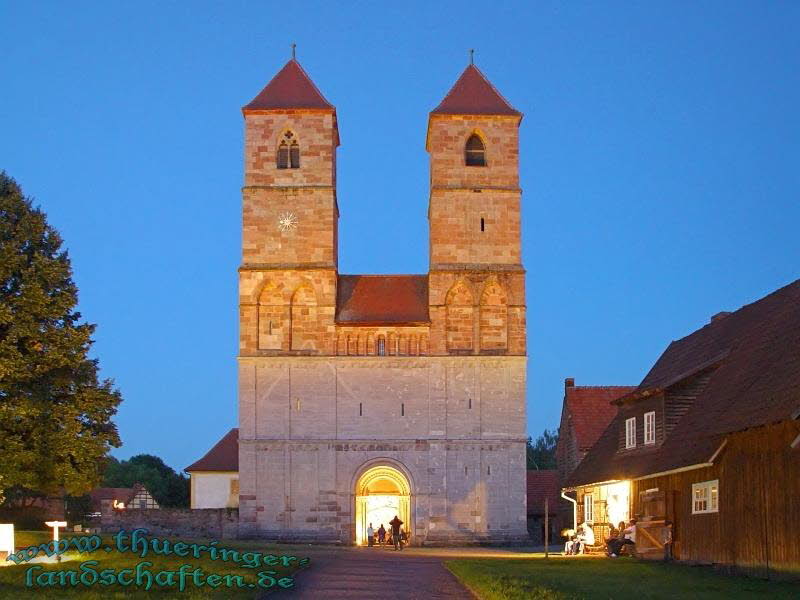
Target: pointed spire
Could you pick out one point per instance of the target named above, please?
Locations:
(473, 94)
(290, 88)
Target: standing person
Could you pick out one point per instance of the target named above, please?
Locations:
(370, 535)
(396, 523)
(381, 534)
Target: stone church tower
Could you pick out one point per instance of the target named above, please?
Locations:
(362, 397)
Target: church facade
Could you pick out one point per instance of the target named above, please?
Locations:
(362, 397)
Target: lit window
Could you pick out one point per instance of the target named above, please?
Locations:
(630, 432)
(650, 428)
(705, 497)
(588, 508)
(475, 154)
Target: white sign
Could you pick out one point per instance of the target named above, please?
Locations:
(7, 538)
(55, 525)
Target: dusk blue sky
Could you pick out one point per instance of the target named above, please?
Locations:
(660, 167)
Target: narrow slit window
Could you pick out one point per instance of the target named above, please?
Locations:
(402, 409)
(465, 470)
(360, 409)
(469, 404)
(489, 470)
(475, 153)
(483, 225)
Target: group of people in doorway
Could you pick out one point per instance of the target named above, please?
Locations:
(619, 537)
(394, 535)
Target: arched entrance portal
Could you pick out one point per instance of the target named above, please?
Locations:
(381, 493)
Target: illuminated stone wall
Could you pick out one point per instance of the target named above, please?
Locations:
(446, 404)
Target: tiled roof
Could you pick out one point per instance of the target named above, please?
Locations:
(543, 484)
(290, 88)
(591, 410)
(382, 299)
(473, 94)
(224, 456)
(755, 352)
(123, 495)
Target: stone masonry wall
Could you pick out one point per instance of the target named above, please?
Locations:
(214, 523)
(308, 425)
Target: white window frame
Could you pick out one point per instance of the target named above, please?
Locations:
(650, 427)
(588, 508)
(705, 497)
(630, 433)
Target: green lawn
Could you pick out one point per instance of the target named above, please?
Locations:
(13, 578)
(621, 579)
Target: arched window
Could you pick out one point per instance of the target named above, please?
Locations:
(475, 153)
(288, 152)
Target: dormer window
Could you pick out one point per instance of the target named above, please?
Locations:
(288, 152)
(475, 153)
(630, 433)
(650, 428)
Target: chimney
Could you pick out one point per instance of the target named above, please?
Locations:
(719, 315)
(569, 382)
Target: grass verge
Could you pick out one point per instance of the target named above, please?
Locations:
(622, 579)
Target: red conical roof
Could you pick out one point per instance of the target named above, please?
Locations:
(472, 94)
(290, 88)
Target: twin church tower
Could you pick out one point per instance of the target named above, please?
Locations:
(362, 397)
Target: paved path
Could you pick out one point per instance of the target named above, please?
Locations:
(382, 574)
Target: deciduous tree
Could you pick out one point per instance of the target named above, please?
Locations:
(542, 452)
(164, 484)
(55, 413)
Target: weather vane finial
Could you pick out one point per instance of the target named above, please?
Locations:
(472, 56)
(293, 48)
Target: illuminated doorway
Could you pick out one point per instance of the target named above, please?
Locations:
(381, 493)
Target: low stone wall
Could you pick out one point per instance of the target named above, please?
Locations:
(215, 523)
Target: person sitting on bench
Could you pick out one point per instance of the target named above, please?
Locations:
(584, 538)
(613, 535)
(628, 538)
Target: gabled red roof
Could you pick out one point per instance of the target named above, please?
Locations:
(473, 94)
(382, 299)
(591, 410)
(224, 456)
(541, 485)
(755, 354)
(290, 88)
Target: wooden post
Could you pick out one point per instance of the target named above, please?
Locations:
(546, 528)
